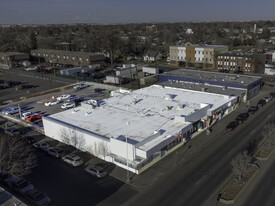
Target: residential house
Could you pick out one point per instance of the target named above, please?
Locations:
(152, 56)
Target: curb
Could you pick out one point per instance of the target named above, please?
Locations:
(232, 201)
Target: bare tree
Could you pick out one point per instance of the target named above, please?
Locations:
(78, 140)
(99, 149)
(73, 138)
(241, 164)
(16, 158)
(269, 132)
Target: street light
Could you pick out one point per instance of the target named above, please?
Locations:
(128, 178)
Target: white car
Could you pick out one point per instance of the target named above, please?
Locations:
(41, 145)
(96, 170)
(30, 68)
(25, 114)
(68, 105)
(80, 86)
(267, 98)
(10, 110)
(62, 97)
(73, 160)
(52, 102)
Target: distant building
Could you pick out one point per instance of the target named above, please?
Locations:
(189, 31)
(12, 59)
(243, 86)
(151, 29)
(68, 57)
(198, 55)
(152, 56)
(240, 62)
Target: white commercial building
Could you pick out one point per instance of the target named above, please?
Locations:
(153, 120)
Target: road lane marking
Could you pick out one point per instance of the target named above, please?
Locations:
(200, 180)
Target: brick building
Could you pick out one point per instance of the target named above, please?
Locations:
(12, 59)
(240, 62)
(68, 57)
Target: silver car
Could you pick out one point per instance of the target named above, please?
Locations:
(41, 145)
(10, 110)
(73, 160)
(96, 170)
(56, 152)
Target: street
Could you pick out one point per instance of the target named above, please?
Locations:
(196, 179)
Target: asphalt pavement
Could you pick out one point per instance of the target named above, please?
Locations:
(194, 175)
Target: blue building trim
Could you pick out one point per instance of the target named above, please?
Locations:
(163, 78)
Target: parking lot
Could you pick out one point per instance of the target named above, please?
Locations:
(67, 185)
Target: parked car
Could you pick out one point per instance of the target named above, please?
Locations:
(232, 125)
(25, 114)
(27, 86)
(261, 102)
(68, 105)
(37, 197)
(78, 99)
(10, 110)
(28, 139)
(98, 90)
(30, 68)
(272, 94)
(12, 131)
(73, 98)
(8, 181)
(20, 185)
(96, 170)
(253, 109)
(41, 145)
(80, 86)
(242, 117)
(62, 97)
(73, 160)
(33, 117)
(268, 98)
(51, 102)
(56, 152)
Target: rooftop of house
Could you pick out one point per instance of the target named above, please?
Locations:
(148, 110)
(51, 51)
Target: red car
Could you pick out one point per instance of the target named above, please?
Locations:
(232, 125)
(33, 117)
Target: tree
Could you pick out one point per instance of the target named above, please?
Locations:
(16, 158)
(241, 163)
(33, 42)
(73, 138)
(99, 149)
(269, 132)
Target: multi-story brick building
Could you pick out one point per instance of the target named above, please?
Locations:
(240, 62)
(68, 57)
(190, 55)
(12, 59)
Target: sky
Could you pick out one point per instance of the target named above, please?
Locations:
(130, 11)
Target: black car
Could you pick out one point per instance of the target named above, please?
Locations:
(4, 87)
(12, 131)
(98, 90)
(232, 125)
(261, 102)
(28, 139)
(253, 109)
(242, 117)
(272, 94)
(27, 86)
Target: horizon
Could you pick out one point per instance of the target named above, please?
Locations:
(128, 12)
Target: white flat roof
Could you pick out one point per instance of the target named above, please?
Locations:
(154, 109)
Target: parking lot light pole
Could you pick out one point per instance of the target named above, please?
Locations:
(128, 178)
